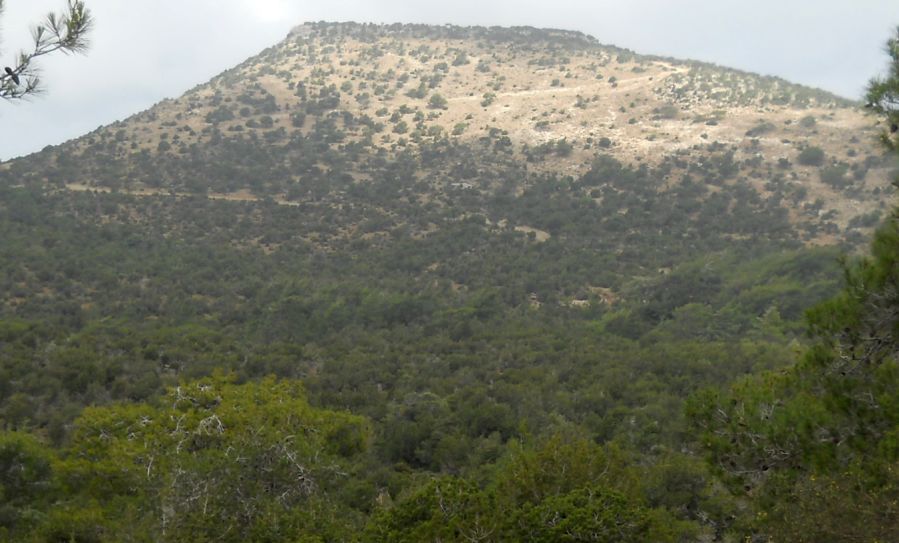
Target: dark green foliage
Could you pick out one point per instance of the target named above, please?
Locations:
(444, 510)
(437, 102)
(814, 447)
(590, 514)
(821, 436)
(883, 94)
(760, 129)
(26, 485)
(835, 176)
(867, 220)
(811, 156)
(668, 111)
(376, 329)
(487, 324)
(419, 92)
(328, 99)
(221, 114)
(461, 59)
(554, 492)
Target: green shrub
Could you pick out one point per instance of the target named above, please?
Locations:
(759, 129)
(437, 101)
(811, 156)
(835, 176)
(808, 121)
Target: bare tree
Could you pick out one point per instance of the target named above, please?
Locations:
(64, 32)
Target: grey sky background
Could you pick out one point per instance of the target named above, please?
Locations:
(144, 51)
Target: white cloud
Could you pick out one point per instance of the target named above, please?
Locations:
(268, 10)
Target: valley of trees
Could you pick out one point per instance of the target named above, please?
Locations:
(616, 354)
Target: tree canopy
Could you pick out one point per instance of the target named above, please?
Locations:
(883, 95)
(816, 447)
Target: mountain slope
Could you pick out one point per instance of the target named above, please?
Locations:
(513, 252)
(340, 99)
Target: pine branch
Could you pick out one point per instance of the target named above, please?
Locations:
(66, 32)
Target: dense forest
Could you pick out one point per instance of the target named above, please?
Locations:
(368, 329)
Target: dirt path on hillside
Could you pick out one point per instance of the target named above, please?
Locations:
(622, 83)
(239, 196)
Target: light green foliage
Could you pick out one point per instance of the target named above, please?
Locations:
(558, 491)
(589, 514)
(560, 466)
(446, 509)
(214, 460)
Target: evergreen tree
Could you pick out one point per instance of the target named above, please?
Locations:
(66, 32)
(816, 447)
(883, 95)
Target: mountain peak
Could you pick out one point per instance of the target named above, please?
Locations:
(495, 34)
(340, 99)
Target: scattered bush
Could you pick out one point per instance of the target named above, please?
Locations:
(808, 121)
(811, 156)
(437, 101)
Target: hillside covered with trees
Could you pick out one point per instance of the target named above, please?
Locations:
(409, 283)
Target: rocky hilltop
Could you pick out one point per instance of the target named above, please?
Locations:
(315, 117)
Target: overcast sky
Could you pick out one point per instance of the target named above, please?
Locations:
(144, 51)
